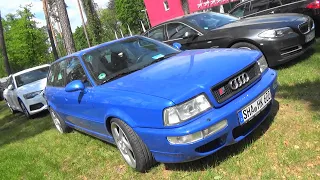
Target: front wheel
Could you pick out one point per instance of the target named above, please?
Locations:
(24, 109)
(131, 147)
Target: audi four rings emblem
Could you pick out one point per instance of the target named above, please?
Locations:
(239, 81)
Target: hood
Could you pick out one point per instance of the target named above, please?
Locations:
(32, 87)
(187, 74)
(267, 19)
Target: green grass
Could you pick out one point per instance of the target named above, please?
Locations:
(286, 145)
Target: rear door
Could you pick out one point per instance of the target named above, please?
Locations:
(296, 6)
(55, 90)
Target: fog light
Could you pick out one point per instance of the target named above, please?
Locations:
(190, 138)
(215, 128)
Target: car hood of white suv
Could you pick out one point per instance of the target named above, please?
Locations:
(33, 87)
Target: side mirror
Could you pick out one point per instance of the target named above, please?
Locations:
(189, 35)
(10, 87)
(75, 85)
(177, 45)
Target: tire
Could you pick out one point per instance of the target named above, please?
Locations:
(12, 111)
(245, 45)
(59, 123)
(24, 109)
(131, 146)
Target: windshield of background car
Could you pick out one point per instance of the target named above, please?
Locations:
(209, 21)
(123, 57)
(31, 76)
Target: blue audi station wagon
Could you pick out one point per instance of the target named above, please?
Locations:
(160, 104)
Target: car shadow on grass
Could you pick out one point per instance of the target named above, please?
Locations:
(227, 152)
(298, 60)
(308, 91)
(16, 127)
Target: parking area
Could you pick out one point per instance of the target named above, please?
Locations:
(286, 145)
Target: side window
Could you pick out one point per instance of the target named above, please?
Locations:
(258, 6)
(51, 75)
(178, 30)
(59, 74)
(74, 71)
(157, 34)
(274, 3)
(242, 10)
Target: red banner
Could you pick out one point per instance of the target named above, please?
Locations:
(197, 5)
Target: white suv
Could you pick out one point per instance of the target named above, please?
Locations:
(25, 90)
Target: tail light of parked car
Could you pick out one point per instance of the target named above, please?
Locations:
(314, 5)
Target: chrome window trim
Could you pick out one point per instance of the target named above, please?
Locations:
(166, 29)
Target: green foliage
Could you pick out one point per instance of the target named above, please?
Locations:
(129, 12)
(27, 45)
(94, 24)
(109, 21)
(80, 38)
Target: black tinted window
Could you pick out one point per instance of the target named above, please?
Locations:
(177, 30)
(75, 71)
(209, 21)
(257, 6)
(242, 10)
(274, 3)
(31, 76)
(157, 34)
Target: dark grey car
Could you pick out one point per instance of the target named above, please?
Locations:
(280, 37)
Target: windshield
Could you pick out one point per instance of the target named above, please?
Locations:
(31, 76)
(209, 21)
(124, 57)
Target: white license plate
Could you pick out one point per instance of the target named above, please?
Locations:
(253, 109)
(310, 36)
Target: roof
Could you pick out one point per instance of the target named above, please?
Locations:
(30, 69)
(84, 51)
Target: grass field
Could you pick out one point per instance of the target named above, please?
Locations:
(285, 146)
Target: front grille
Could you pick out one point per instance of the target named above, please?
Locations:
(253, 71)
(249, 126)
(36, 106)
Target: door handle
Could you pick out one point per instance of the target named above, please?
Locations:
(272, 12)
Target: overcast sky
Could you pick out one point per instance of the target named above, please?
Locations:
(11, 6)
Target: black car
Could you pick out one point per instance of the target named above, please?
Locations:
(252, 8)
(280, 37)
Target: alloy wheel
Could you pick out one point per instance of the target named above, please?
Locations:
(123, 144)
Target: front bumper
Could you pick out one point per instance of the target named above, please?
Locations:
(36, 104)
(283, 49)
(163, 151)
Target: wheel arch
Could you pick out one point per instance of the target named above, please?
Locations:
(119, 114)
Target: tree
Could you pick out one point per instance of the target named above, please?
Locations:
(27, 45)
(4, 49)
(65, 26)
(46, 14)
(185, 6)
(111, 4)
(80, 38)
(93, 21)
(109, 24)
(129, 13)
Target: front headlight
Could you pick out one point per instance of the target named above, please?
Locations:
(179, 113)
(31, 95)
(272, 33)
(263, 65)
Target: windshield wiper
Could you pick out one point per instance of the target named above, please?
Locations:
(118, 76)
